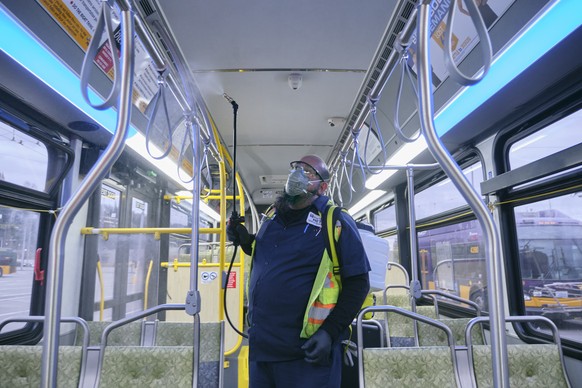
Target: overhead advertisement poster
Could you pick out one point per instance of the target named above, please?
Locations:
(464, 37)
(78, 18)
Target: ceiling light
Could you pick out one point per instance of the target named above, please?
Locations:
(368, 199)
(403, 156)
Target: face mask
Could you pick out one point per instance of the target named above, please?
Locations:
(297, 182)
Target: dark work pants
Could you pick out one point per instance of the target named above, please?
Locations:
(297, 373)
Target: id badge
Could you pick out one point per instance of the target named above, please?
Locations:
(314, 219)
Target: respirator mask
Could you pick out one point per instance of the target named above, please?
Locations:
(298, 181)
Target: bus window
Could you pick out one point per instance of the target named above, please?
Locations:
(451, 256)
(444, 196)
(385, 226)
(452, 259)
(549, 235)
(27, 158)
(385, 219)
(18, 244)
(547, 141)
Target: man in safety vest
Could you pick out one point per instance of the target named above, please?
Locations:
(299, 309)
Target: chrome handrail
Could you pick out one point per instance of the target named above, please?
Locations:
(451, 168)
(55, 265)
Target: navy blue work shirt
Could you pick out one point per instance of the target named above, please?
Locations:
(285, 263)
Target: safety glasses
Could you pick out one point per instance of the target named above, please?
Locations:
(309, 169)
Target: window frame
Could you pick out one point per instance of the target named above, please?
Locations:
(24, 119)
(536, 188)
(448, 217)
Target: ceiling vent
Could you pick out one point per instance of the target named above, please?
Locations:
(266, 196)
(273, 180)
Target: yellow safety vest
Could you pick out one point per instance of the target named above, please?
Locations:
(327, 285)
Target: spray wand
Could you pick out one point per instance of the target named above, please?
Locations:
(234, 217)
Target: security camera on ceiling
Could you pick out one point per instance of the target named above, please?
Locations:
(295, 81)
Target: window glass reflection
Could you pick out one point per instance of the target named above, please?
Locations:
(452, 259)
(23, 159)
(549, 234)
(444, 196)
(547, 141)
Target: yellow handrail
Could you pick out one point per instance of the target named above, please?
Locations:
(147, 285)
(222, 251)
(157, 232)
(218, 196)
(184, 264)
(102, 291)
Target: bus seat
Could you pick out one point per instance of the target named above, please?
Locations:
(402, 326)
(409, 367)
(431, 336)
(399, 329)
(422, 367)
(139, 366)
(398, 300)
(21, 366)
(211, 346)
(127, 335)
(397, 293)
(532, 366)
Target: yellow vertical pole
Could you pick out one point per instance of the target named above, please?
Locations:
(147, 285)
(222, 251)
(101, 291)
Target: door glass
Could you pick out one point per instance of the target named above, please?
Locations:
(18, 245)
(141, 253)
(109, 215)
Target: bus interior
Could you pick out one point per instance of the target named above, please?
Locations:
(132, 130)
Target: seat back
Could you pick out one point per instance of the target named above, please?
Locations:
(400, 329)
(432, 336)
(211, 346)
(408, 367)
(532, 366)
(127, 335)
(21, 366)
(139, 366)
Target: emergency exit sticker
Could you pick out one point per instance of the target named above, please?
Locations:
(231, 280)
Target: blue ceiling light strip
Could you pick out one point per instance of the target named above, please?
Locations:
(563, 18)
(19, 44)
